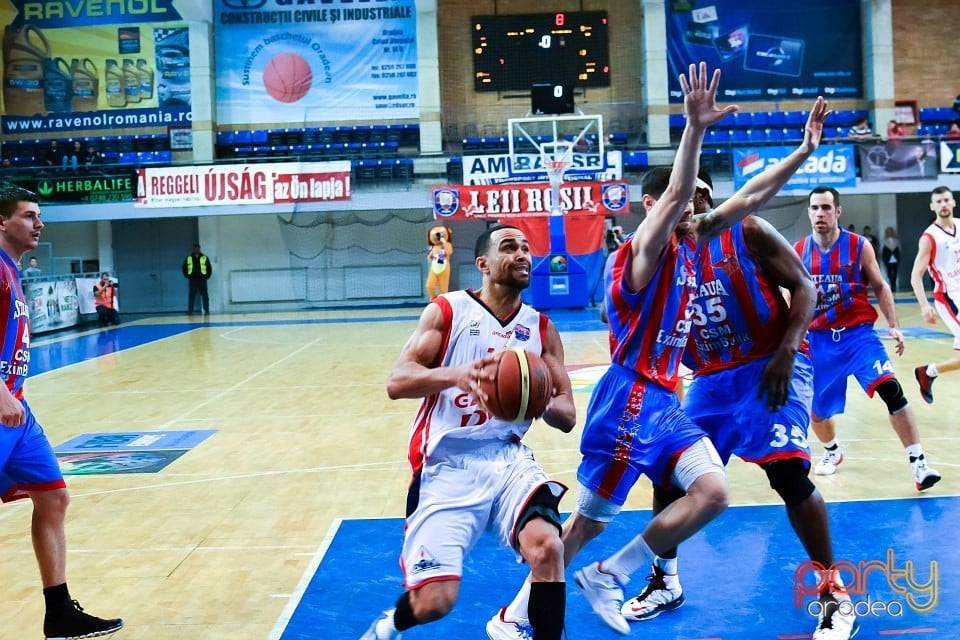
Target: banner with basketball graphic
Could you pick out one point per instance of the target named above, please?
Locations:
(93, 66)
(279, 62)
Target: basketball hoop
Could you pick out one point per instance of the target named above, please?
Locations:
(555, 169)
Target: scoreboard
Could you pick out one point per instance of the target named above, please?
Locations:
(513, 52)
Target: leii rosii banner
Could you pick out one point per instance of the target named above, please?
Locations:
(495, 202)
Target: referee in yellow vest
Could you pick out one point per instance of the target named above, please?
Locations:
(197, 269)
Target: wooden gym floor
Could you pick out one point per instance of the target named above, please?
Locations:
(218, 543)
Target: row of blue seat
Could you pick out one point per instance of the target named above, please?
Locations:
(103, 144)
(774, 119)
(373, 170)
(109, 157)
(332, 151)
(402, 134)
(937, 115)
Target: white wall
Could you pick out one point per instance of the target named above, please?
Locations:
(71, 239)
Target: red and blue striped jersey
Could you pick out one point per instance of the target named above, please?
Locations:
(15, 352)
(649, 328)
(738, 314)
(842, 297)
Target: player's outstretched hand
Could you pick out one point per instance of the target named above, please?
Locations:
(813, 132)
(700, 97)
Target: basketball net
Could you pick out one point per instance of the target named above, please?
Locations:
(556, 167)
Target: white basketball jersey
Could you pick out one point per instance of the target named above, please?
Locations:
(472, 331)
(944, 265)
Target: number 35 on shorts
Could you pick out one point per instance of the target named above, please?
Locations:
(798, 436)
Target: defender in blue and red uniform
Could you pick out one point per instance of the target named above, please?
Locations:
(842, 339)
(752, 395)
(634, 422)
(28, 466)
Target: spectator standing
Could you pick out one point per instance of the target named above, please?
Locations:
(953, 133)
(197, 269)
(890, 254)
(105, 298)
(33, 269)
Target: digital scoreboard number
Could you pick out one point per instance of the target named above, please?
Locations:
(513, 52)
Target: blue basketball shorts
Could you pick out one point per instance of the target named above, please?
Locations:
(27, 461)
(633, 427)
(727, 405)
(839, 354)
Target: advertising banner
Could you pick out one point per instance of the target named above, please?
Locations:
(831, 166)
(483, 202)
(283, 62)
(93, 66)
(768, 51)
(279, 183)
(495, 168)
(898, 160)
(106, 186)
(53, 304)
(950, 157)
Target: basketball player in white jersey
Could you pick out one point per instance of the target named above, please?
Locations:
(939, 255)
(471, 472)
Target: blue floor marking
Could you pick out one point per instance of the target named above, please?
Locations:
(737, 575)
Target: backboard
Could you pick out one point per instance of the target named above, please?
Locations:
(574, 139)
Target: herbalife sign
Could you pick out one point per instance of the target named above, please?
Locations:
(101, 187)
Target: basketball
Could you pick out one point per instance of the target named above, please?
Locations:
(521, 386)
(287, 77)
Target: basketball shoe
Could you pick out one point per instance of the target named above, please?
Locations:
(375, 632)
(924, 476)
(604, 593)
(499, 628)
(925, 382)
(70, 622)
(829, 462)
(663, 593)
(837, 621)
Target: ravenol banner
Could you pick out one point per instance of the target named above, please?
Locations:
(830, 166)
(280, 62)
(71, 65)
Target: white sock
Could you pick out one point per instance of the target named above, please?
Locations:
(519, 609)
(830, 445)
(385, 628)
(932, 370)
(631, 557)
(915, 451)
(667, 565)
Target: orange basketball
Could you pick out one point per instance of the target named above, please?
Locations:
(521, 386)
(287, 77)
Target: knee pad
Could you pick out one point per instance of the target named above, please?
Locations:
(544, 504)
(789, 478)
(892, 394)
